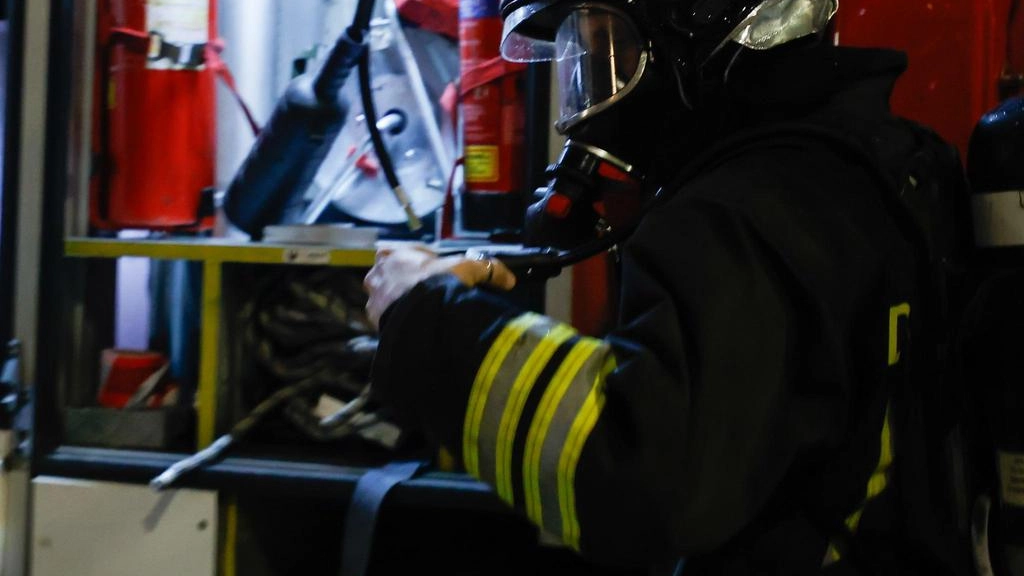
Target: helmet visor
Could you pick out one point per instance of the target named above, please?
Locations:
(527, 32)
(599, 57)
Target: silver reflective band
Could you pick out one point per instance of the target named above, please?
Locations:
(776, 22)
(998, 219)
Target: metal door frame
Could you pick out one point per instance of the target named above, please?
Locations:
(32, 235)
(9, 197)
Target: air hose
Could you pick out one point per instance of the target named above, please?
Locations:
(345, 421)
(370, 111)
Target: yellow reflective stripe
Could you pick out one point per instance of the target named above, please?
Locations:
(582, 426)
(513, 412)
(831, 555)
(482, 387)
(853, 520)
(542, 419)
(880, 478)
(877, 483)
(885, 453)
(445, 461)
(895, 313)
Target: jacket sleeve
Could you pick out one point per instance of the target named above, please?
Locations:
(662, 439)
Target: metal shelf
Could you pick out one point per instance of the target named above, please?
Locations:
(303, 479)
(214, 253)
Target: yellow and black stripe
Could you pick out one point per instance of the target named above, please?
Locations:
(877, 484)
(879, 479)
(536, 398)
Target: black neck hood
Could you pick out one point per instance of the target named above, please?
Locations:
(792, 83)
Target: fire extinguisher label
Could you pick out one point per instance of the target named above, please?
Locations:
(1011, 478)
(184, 26)
(481, 163)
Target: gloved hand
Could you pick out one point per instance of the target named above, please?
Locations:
(397, 270)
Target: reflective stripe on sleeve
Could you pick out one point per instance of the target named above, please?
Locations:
(566, 413)
(517, 397)
(582, 426)
(562, 422)
(481, 389)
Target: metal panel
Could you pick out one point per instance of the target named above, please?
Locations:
(956, 52)
(106, 529)
(23, 181)
(30, 190)
(262, 37)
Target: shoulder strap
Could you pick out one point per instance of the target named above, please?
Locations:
(363, 511)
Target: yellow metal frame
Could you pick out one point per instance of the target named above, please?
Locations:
(209, 349)
(229, 537)
(220, 251)
(214, 253)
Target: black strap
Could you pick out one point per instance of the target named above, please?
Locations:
(363, 510)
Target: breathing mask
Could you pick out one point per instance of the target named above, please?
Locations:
(604, 69)
(620, 108)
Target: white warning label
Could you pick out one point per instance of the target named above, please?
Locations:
(306, 256)
(180, 29)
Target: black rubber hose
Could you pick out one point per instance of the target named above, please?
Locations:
(361, 20)
(383, 156)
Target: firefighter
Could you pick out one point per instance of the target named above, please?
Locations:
(730, 419)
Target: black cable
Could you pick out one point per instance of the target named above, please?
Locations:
(361, 20)
(360, 26)
(383, 156)
(370, 110)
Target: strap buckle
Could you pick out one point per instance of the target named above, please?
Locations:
(181, 55)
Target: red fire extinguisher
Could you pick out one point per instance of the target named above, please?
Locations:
(154, 113)
(493, 114)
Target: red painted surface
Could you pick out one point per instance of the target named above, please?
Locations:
(956, 52)
(441, 16)
(123, 372)
(594, 307)
(162, 130)
(1015, 46)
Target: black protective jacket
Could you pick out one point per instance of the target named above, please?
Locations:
(732, 418)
